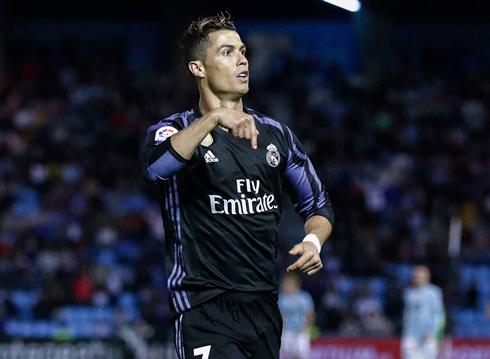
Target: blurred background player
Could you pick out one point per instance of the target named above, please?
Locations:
(423, 317)
(298, 313)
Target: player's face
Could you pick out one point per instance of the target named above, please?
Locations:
(421, 276)
(290, 285)
(226, 65)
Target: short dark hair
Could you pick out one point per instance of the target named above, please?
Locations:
(195, 41)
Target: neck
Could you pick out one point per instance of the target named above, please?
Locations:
(209, 101)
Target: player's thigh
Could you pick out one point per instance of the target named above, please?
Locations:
(221, 350)
(267, 347)
(197, 337)
(268, 342)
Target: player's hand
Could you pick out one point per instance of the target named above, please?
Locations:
(240, 124)
(309, 261)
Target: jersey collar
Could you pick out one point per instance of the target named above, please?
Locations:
(198, 114)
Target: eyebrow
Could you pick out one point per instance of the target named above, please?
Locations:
(231, 47)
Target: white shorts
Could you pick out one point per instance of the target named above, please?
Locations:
(295, 345)
(415, 348)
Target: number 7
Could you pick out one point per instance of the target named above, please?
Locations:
(204, 351)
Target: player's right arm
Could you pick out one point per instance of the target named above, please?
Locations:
(160, 160)
(239, 123)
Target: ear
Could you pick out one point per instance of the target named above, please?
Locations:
(197, 68)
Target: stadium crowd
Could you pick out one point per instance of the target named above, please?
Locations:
(399, 158)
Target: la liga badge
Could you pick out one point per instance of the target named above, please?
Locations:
(165, 132)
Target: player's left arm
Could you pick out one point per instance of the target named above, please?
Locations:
(310, 261)
(311, 201)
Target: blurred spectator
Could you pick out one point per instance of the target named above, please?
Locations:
(83, 288)
(375, 324)
(472, 297)
(350, 326)
(7, 308)
(365, 304)
(53, 296)
(333, 307)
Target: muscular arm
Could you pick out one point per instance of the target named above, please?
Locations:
(185, 142)
(310, 261)
(319, 226)
(240, 125)
(311, 201)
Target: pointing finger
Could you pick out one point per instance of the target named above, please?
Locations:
(255, 133)
(299, 263)
(254, 139)
(296, 250)
(309, 267)
(292, 267)
(312, 262)
(314, 270)
(241, 131)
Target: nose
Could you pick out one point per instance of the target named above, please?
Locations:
(242, 60)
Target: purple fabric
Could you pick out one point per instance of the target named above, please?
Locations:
(266, 120)
(177, 209)
(164, 168)
(297, 178)
(177, 254)
(313, 173)
(180, 300)
(185, 116)
(165, 122)
(176, 264)
(295, 149)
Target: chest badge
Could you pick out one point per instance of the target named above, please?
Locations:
(208, 140)
(273, 157)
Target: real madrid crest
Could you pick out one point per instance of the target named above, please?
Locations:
(273, 157)
(208, 140)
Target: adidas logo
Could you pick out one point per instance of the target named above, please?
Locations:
(210, 157)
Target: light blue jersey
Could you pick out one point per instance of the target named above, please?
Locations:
(424, 311)
(294, 309)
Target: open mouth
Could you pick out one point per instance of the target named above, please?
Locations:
(243, 75)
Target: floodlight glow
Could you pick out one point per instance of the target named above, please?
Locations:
(350, 5)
